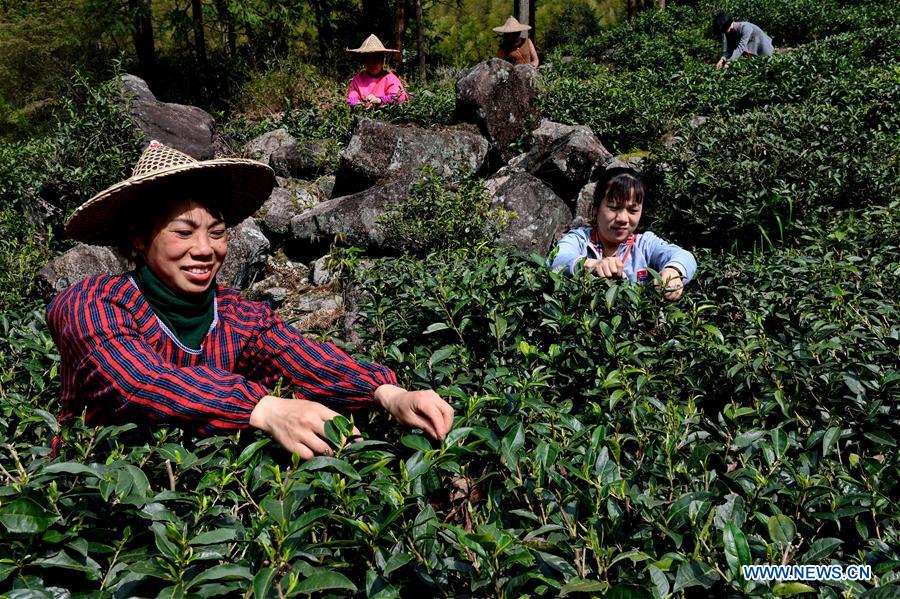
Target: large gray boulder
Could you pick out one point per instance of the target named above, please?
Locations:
(380, 150)
(77, 264)
(355, 217)
(248, 249)
(540, 215)
(185, 128)
(321, 273)
(564, 156)
(499, 97)
(583, 203)
(301, 160)
(263, 146)
(632, 161)
(283, 204)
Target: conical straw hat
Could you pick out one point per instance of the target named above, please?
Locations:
(240, 187)
(372, 45)
(512, 26)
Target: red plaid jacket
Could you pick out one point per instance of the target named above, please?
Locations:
(120, 363)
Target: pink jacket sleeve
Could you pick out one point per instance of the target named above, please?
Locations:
(353, 97)
(393, 90)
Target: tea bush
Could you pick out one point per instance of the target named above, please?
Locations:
(606, 441)
(682, 34)
(636, 43)
(439, 216)
(791, 23)
(745, 178)
(24, 249)
(605, 99)
(92, 147)
(42, 180)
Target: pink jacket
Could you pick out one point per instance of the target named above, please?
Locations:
(387, 87)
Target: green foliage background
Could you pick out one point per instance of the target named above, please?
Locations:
(607, 442)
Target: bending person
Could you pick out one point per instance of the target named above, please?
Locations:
(165, 344)
(740, 38)
(612, 249)
(374, 86)
(513, 47)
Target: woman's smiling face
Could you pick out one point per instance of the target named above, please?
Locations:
(617, 220)
(186, 249)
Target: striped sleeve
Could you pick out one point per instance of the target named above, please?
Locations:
(115, 374)
(319, 371)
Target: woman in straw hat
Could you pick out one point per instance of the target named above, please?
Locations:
(515, 48)
(374, 86)
(166, 344)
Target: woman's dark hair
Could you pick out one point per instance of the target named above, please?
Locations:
(618, 185)
(721, 22)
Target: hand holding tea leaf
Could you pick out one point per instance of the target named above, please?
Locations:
(297, 424)
(421, 409)
(672, 284)
(610, 267)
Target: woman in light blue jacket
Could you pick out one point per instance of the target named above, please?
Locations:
(612, 249)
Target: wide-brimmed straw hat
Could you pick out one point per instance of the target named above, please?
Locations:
(372, 45)
(240, 187)
(512, 26)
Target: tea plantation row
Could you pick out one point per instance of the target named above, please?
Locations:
(606, 440)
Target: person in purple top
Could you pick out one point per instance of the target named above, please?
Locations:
(611, 248)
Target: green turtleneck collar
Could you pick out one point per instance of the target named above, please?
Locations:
(188, 318)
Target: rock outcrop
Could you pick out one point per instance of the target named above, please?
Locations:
(263, 146)
(274, 217)
(583, 205)
(356, 217)
(301, 159)
(379, 150)
(77, 264)
(499, 97)
(541, 216)
(185, 128)
(563, 156)
(246, 258)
